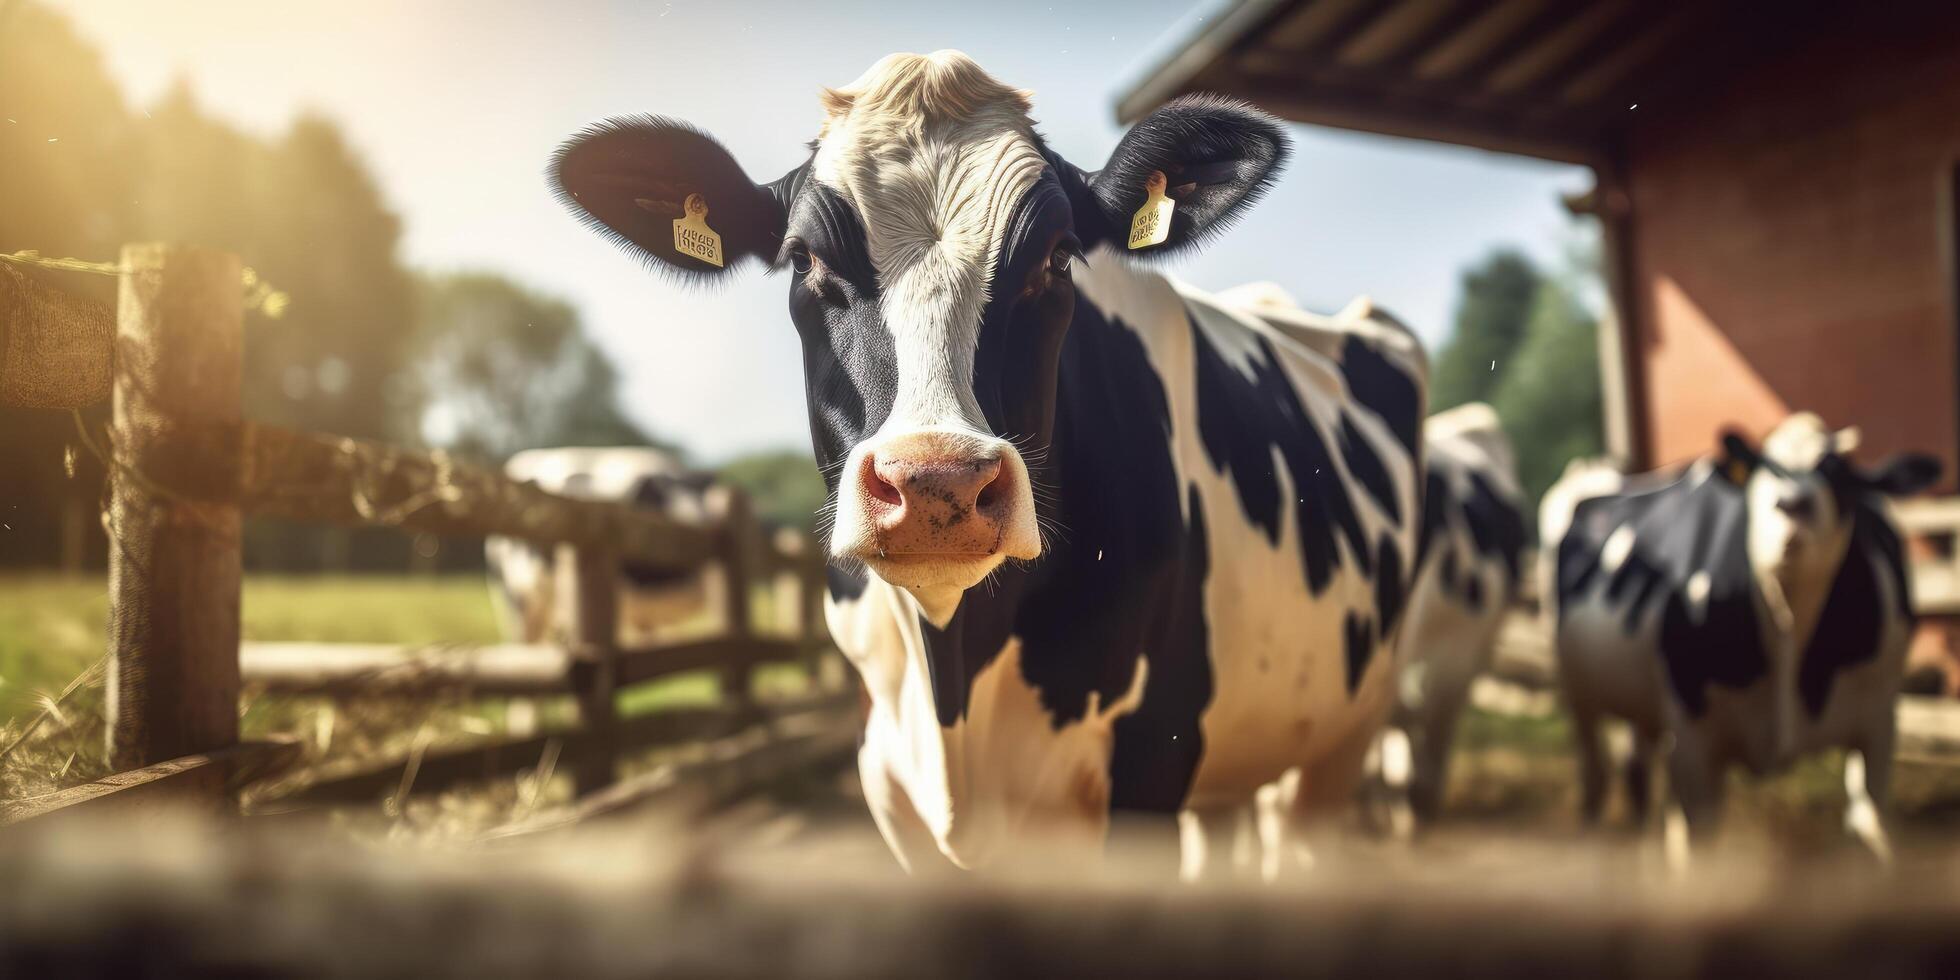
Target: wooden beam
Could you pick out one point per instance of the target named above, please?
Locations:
(1394, 43)
(330, 479)
(1351, 109)
(197, 781)
(1560, 44)
(56, 350)
(724, 653)
(174, 554)
(1317, 26)
(1456, 55)
(395, 670)
(440, 769)
(1210, 42)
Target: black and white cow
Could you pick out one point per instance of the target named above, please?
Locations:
(1473, 553)
(529, 584)
(1100, 543)
(1751, 608)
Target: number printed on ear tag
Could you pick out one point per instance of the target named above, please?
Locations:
(692, 236)
(1152, 225)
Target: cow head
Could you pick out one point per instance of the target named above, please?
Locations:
(1803, 493)
(928, 242)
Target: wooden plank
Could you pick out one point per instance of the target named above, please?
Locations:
(197, 781)
(331, 479)
(56, 350)
(730, 770)
(174, 557)
(726, 653)
(450, 766)
(374, 669)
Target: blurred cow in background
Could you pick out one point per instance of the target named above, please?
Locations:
(1473, 537)
(531, 586)
(1752, 608)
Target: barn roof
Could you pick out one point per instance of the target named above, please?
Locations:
(1546, 78)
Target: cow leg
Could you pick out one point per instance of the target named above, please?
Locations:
(1868, 788)
(1432, 761)
(1695, 784)
(1210, 839)
(1640, 775)
(1326, 788)
(1590, 747)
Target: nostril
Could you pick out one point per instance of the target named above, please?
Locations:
(882, 489)
(992, 494)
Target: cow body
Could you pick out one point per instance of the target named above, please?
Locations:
(1473, 549)
(1202, 622)
(1752, 608)
(1100, 543)
(529, 584)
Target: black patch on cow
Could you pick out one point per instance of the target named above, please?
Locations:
(1851, 625)
(1386, 389)
(845, 583)
(1497, 524)
(1390, 587)
(1456, 496)
(1689, 525)
(1115, 492)
(1365, 465)
(1359, 644)
(1156, 748)
(1240, 421)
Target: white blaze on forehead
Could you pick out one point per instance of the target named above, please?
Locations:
(1800, 443)
(933, 153)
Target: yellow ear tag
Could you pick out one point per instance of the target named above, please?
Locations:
(693, 237)
(1153, 221)
(1738, 472)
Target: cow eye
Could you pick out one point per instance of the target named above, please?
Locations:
(799, 258)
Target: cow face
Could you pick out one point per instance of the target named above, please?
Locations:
(1803, 492)
(928, 243)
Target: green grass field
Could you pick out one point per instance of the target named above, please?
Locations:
(53, 630)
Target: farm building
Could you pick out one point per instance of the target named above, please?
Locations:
(1776, 185)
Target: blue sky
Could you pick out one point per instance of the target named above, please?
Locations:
(457, 105)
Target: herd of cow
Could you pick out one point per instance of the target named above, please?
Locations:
(1103, 545)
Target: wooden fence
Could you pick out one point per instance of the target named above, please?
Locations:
(185, 469)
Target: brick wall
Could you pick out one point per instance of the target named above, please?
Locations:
(1789, 244)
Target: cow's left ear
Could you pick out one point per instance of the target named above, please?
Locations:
(1738, 458)
(1905, 474)
(1217, 156)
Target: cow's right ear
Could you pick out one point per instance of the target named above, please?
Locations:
(630, 179)
(1738, 458)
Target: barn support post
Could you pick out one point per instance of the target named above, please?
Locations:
(595, 636)
(174, 560)
(740, 547)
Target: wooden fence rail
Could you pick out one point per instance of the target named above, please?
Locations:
(186, 467)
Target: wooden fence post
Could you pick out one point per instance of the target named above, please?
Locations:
(740, 547)
(174, 560)
(595, 637)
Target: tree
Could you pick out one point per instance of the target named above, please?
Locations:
(1550, 400)
(500, 369)
(1499, 295)
(784, 484)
